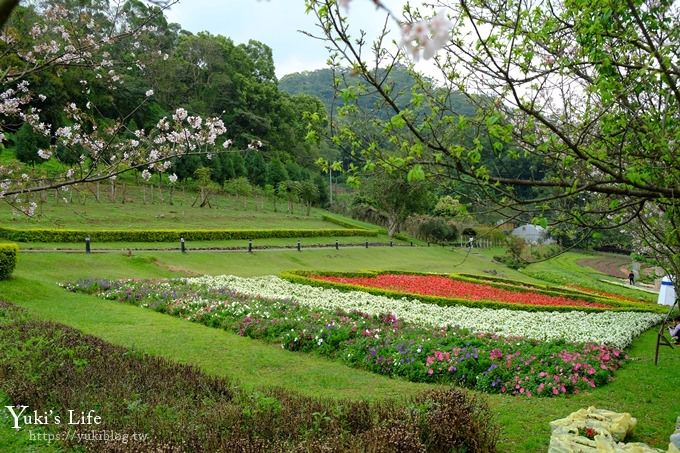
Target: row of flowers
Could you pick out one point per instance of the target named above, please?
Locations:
(615, 329)
(443, 286)
(470, 290)
(380, 342)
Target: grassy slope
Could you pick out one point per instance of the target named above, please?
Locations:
(565, 269)
(226, 212)
(646, 391)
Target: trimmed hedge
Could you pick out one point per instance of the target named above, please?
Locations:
(58, 235)
(304, 277)
(8, 259)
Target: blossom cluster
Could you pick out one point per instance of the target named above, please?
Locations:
(422, 38)
(62, 37)
(617, 329)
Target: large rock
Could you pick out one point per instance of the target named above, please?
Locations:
(595, 430)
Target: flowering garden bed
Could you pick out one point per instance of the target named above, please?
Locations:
(470, 291)
(529, 353)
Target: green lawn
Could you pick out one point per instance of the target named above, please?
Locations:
(646, 391)
(565, 270)
(84, 211)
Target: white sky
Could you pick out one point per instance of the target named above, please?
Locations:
(275, 23)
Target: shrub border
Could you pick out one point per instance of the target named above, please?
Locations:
(169, 235)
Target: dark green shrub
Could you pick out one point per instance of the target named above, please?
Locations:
(435, 229)
(469, 232)
(8, 259)
(28, 142)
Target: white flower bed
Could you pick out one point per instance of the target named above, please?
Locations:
(616, 329)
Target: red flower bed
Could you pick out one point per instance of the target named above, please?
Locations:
(437, 285)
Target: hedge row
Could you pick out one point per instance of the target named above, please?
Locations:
(304, 277)
(8, 259)
(58, 235)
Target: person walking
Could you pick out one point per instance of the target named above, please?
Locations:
(631, 278)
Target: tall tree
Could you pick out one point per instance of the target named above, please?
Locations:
(590, 90)
(394, 196)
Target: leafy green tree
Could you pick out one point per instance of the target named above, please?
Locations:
(27, 142)
(206, 187)
(308, 193)
(290, 191)
(322, 186)
(239, 165)
(276, 173)
(589, 90)
(239, 187)
(256, 168)
(394, 197)
(272, 193)
(447, 206)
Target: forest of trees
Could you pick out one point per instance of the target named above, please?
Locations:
(208, 75)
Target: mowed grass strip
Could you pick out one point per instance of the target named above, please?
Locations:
(646, 391)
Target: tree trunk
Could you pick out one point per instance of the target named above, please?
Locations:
(392, 225)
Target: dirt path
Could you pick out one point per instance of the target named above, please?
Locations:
(614, 265)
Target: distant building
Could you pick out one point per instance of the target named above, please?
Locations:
(532, 234)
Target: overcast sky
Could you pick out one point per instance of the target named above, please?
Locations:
(275, 23)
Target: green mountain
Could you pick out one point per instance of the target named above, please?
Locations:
(319, 83)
